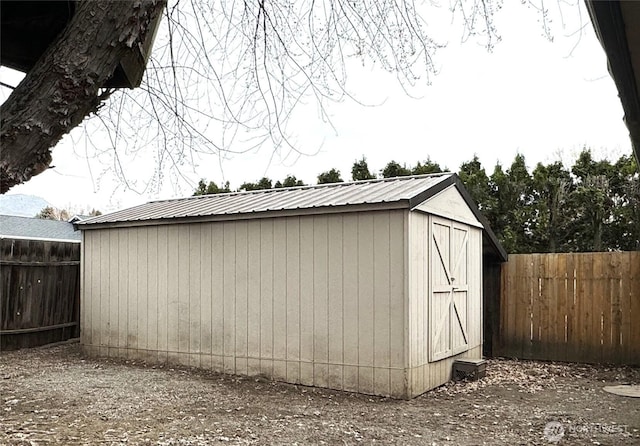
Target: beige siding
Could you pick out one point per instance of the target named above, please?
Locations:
(422, 374)
(450, 204)
(318, 300)
(335, 302)
(162, 297)
(475, 286)
(350, 315)
(293, 299)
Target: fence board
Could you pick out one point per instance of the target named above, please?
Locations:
(558, 337)
(571, 307)
(634, 300)
(40, 290)
(538, 318)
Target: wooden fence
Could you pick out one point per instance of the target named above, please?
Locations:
(40, 295)
(571, 307)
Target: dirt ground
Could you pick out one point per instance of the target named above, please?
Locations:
(53, 395)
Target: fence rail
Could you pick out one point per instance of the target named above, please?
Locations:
(571, 307)
(40, 298)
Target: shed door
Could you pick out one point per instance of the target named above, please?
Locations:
(449, 288)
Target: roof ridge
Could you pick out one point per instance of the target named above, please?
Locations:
(307, 186)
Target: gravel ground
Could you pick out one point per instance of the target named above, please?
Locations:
(54, 395)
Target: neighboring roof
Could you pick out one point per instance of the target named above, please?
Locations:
(391, 193)
(617, 25)
(37, 229)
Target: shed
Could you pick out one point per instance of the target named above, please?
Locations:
(371, 286)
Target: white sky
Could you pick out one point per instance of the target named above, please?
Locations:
(530, 96)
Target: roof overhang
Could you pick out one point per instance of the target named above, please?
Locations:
(27, 28)
(617, 25)
(492, 248)
(39, 239)
(324, 210)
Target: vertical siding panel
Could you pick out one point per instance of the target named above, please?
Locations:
(132, 294)
(184, 321)
(253, 298)
(104, 292)
(229, 297)
(422, 275)
(123, 289)
(83, 289)
(381, 254)
(350, 301)
(114, 291)
(293, 299)
(266, 297)
(195, 243)
(141, 281)
(410, 301)
(474, 314)
(413, 268)
(280, 298)
(398, 302)
(241, 296)
(90, 259)
(163, 292)
(152, 296)
(473, 293)
(365, 301)
(86, 304)
(217, 296)
(205, 295)
(420, 239)
(320, 301)
(306, 301)
(335, 304)
(476, 255)
(173, 321)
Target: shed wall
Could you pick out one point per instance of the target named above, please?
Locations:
(422, 374)
(317, 300)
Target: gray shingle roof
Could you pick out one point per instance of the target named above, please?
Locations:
(394, 190)
(36, 228)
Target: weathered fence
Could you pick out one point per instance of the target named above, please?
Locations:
(40, 296)
(571, 307)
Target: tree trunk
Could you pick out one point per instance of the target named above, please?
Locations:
(64, 86)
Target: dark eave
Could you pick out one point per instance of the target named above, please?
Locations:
(27, 28)
(617, 25)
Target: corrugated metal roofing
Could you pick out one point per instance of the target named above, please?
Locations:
(333, 195)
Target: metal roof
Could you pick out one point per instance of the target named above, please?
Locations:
(398, 193)
(335, 195)
(37, 229)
